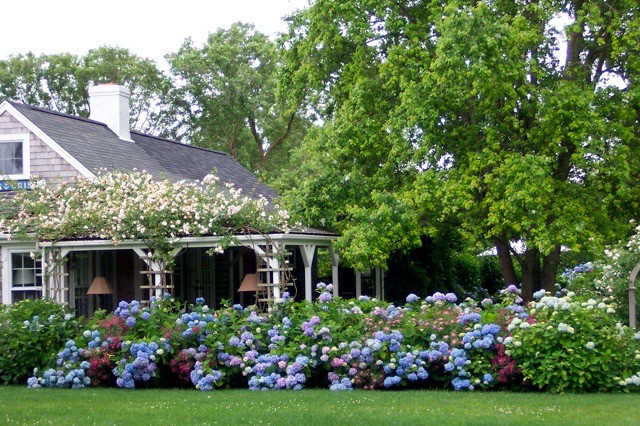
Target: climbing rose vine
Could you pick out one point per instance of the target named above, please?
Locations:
(119, 206)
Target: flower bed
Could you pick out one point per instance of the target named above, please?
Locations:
(557, 343)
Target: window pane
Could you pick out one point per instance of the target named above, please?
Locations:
(27, 261)
(17, 150)
(8, 167)
(16, 260)
(28, 294)
(11, 158)
(24, 278)
(17, 164)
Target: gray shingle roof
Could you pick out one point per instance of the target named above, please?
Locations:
(95, 146)
(191, 162)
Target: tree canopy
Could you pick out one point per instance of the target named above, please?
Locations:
(228, 93)
(61, 81)
(512, 120)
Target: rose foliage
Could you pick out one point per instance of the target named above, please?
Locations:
(120, 206)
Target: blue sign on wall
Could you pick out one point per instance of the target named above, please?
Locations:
(14, 185)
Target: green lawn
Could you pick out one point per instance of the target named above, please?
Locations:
(19, 405)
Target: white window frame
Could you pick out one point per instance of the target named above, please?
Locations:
(7, 273)
(26, 155)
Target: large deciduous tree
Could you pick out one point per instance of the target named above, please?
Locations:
(515, 120)
(61, 81)
(228, 89)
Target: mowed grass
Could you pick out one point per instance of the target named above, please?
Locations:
(19, 405)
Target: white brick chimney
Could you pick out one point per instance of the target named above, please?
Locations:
(109, 104)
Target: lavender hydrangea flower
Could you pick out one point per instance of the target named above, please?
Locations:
(438, 297)
(412, 298)
(513, 289)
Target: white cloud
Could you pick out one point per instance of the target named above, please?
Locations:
(148, 28)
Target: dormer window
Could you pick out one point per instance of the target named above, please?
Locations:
(14, 156)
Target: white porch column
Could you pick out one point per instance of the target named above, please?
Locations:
(65, 285)
(241, 275)
(308, 251)
(358, 284)
(335, 259)
(275, 264)
(44, 272)
(378, 283)
(157, 279)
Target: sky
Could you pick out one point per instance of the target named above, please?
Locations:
(148, 28)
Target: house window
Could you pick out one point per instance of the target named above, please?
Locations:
(11, 158)
(14, 156)
(26, 280)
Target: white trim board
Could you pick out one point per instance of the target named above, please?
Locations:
(191, 242)
(7, 107)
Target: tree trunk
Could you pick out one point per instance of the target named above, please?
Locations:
(530, 274)
(550, 268)
(506, 263)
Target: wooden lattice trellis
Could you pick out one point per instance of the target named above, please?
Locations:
(54, 278)
(275, 275)
(159, 279)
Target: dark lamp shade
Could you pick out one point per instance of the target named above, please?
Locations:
(250, 283)
(100, 285)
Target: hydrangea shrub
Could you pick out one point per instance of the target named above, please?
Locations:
(568, 345)
(31, 331)
(558, 343)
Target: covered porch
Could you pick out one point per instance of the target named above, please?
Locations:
(68, 268)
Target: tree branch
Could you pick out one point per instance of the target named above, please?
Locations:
(507, 244)
(282, 136)
(256, 137)
(264, 155)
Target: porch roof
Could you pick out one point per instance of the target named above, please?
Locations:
(292, 238)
